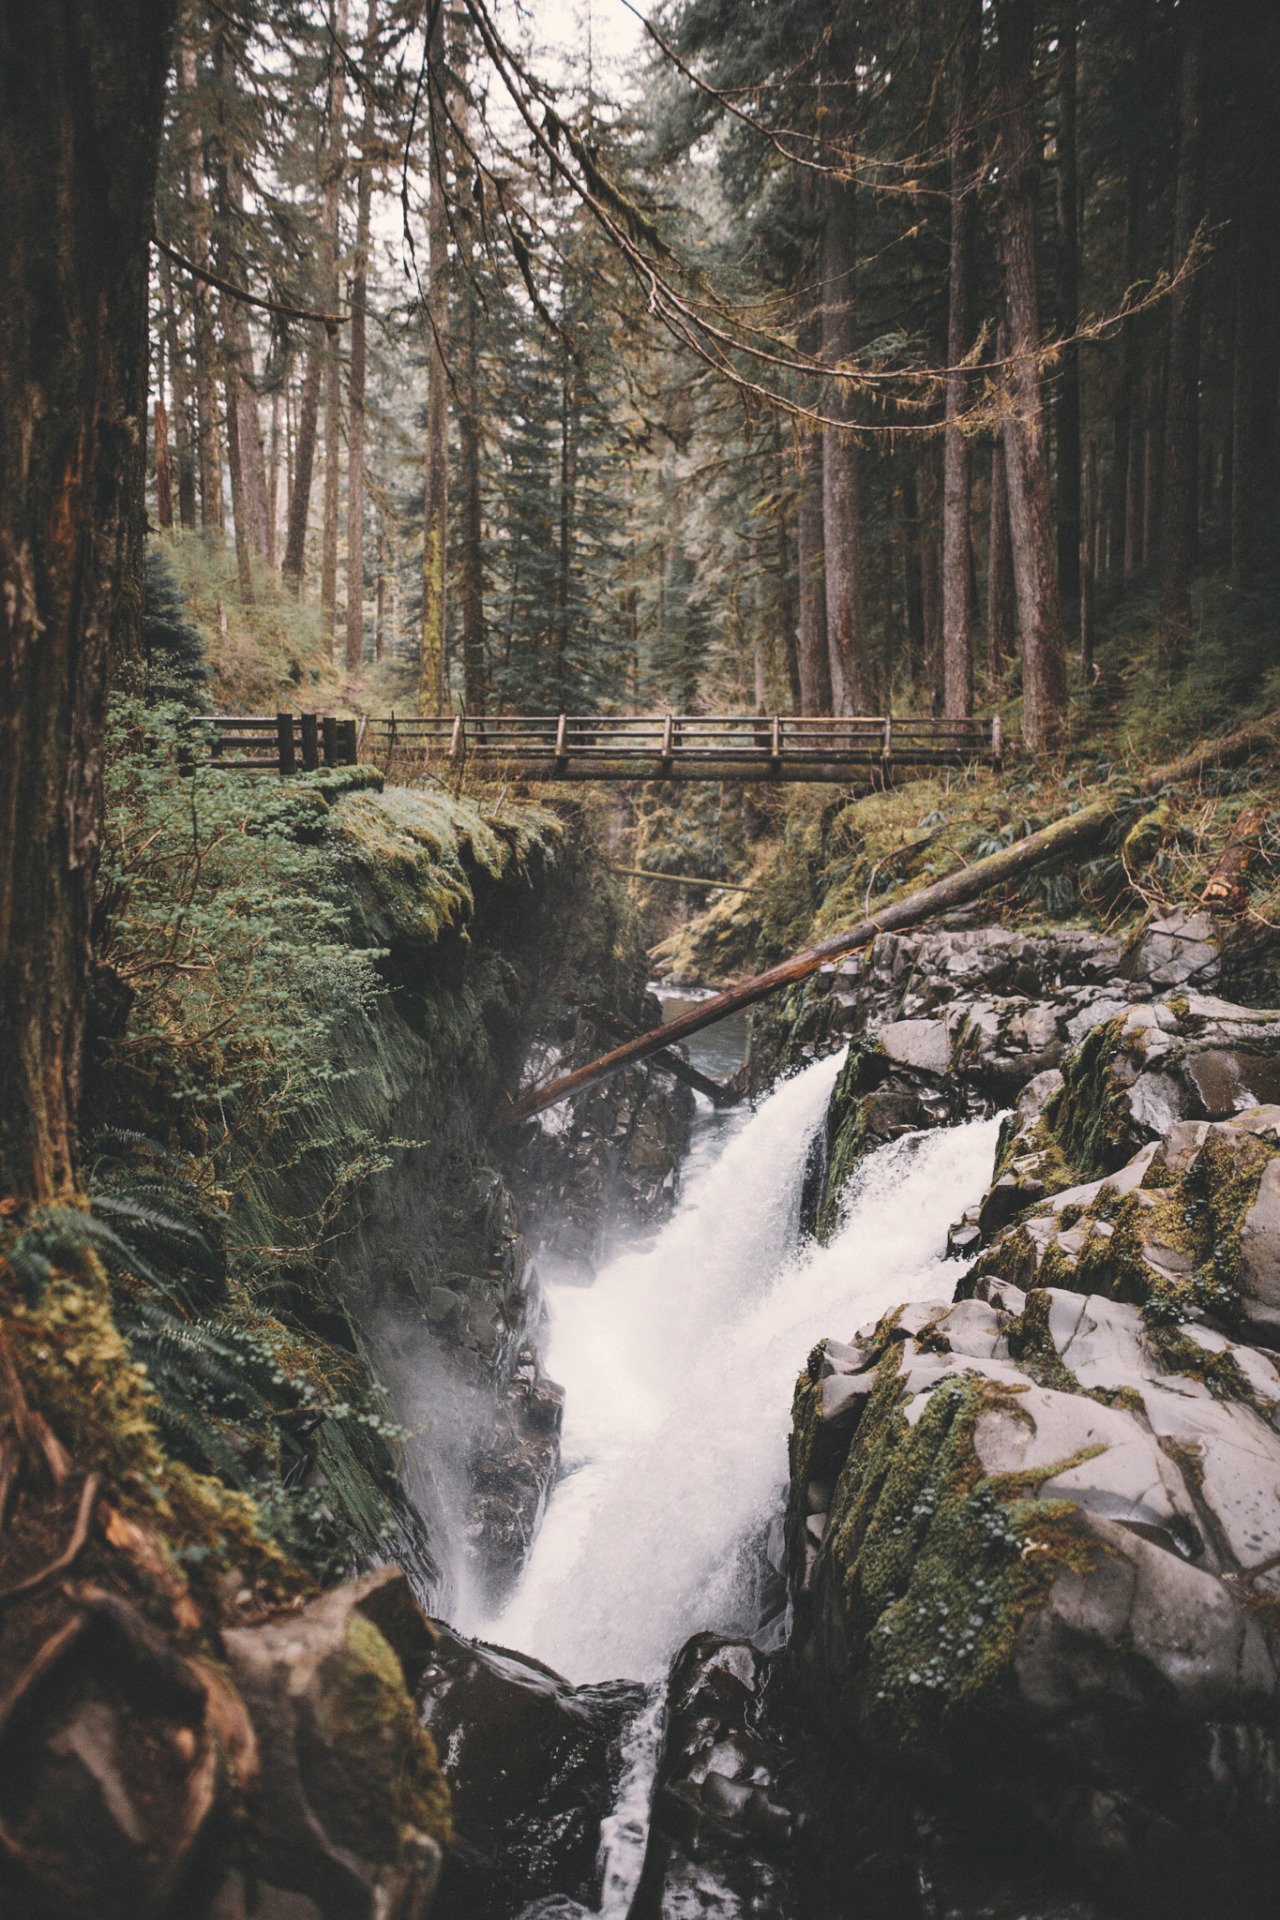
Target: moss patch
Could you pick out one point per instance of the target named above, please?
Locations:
(938, 1563)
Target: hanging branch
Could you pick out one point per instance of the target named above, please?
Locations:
(330, 320)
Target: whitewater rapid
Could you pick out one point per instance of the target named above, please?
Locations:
(678, 1366)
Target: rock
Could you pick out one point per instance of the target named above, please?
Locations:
(120, 1761)
(1260, 1258)
(922, 1044)
(349, 1808)
(720, 1832)
(1044, 1578)
(533, 1766)
(1178, 951)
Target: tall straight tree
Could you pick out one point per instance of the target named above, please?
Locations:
(1068, 409)
(1000, 591)
(841, 515)
(957, 602)
(335, 167)
(356, 374)
(1044, 681)
(81, 96)
(1180, 501)
(435, 507)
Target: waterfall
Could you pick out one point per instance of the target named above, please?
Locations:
(678, 1365)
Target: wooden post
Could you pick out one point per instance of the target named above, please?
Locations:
(329, 735)
(775, 747)
(666, 743)
(310, 742)
(458, 740)
(561, 755)
(886, 752)
(997, 744)
(284, 743)
(348, 746)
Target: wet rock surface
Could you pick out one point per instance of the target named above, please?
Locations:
(533, 1766)
(1033, 1537)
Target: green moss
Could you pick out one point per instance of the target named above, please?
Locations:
(1088, 1117)
(938, 1563)
(374, 1771)
(863, 1070)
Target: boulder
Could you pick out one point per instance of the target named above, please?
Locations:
(720, 1834)
(1042, 1575)
(348, 1810)
(533, 1766)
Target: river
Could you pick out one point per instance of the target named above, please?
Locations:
(678, 1365)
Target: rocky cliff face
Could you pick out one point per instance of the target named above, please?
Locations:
(1034, 1529)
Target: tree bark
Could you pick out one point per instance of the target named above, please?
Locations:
(957, 625)
(239, 505)
(180, 384)
(435, 511)
(1179, 519)
(1125, 532)
(815, 661)
(841, 520)
(1044, 683)
(81, 98)
(206, 352)
(1070, 527)
(295, 547)
(474, 642)
(335, 166)
(1001, 634)
(1245, 383)
(164, 481)
(356, 372)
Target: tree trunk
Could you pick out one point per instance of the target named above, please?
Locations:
(815, 661)
(164, 482)
(239, 506)
(206, 352)
(180, 383)
(1001, 635)
(356, 372)
(957, 633)
(567, 528)
(1245, 384)
(474, 645)
(841, 525)
(1070, 528)
(1179, 519)
(335, 166)
(81, 98)
(295, 546)
(435, 513)
(1044, 684)
(1125, 534)
(1088, 568)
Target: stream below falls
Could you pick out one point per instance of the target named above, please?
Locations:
(678, 1363)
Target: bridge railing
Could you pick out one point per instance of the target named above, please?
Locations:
(552, 745)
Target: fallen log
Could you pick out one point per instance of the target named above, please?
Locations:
(721, 1095)
(1226, 891)
(1225, 751)
(1067, 836)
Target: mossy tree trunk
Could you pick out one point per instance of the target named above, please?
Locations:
(82, 88)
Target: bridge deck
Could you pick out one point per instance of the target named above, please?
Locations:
(766, 747)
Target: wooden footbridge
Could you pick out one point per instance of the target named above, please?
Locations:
(766, 747)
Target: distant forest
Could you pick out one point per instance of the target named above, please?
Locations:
(854, 357)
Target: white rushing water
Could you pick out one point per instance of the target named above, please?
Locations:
(678, 1365)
